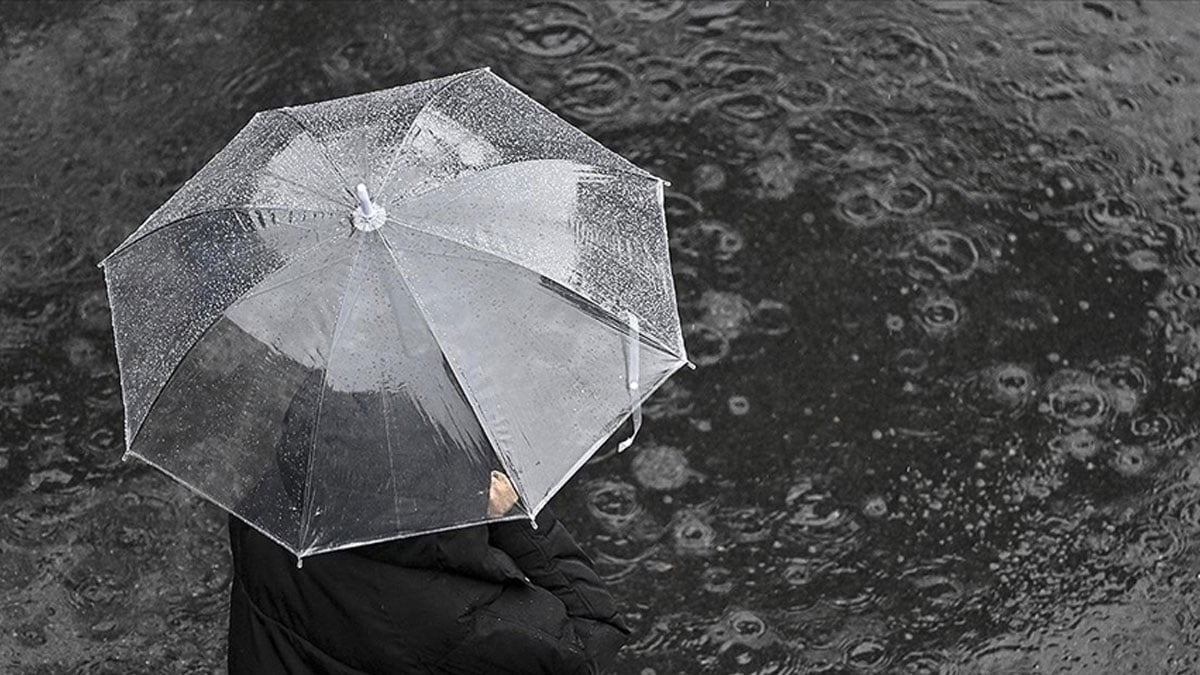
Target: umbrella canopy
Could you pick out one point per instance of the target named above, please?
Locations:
(359, 308)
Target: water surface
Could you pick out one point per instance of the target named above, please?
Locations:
(939, 266)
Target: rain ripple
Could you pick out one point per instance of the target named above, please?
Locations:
(662, 467)
(613, 503)
(1073, 397)
(564, 31)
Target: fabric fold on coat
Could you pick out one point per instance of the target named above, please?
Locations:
(453, 602)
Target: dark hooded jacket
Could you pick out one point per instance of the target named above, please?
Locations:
(495, 599)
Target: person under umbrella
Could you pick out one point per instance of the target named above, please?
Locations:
(498, 598)
(377, 329)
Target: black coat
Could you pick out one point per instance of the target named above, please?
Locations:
(494, 599)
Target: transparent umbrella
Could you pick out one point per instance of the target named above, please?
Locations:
(361, 307)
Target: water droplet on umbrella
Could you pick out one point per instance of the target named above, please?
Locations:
(1152, 426)
(726, 312)
(911, 362)
(866, 653)
(716, 579)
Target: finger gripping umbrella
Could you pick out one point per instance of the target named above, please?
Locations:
(359, 308)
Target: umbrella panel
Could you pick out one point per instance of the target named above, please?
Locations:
(544, 367)
(361, 135)
(593, 230)
(314, 452)
(171, 287)
(401, 450)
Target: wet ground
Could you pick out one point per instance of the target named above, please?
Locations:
(939, 265)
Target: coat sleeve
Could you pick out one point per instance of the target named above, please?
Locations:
(554, 562)
(524, 631)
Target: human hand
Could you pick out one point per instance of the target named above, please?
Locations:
(501, 495)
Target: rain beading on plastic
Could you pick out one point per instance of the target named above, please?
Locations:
(336, 385)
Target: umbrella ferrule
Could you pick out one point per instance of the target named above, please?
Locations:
(364, 199)
(368, 216)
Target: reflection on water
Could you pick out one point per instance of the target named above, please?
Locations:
(938, 262)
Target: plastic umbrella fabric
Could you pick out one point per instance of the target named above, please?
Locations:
(359, 308)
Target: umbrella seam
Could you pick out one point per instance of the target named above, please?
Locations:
(646, 392)
(302, 186)
(319, 143)
(649, 339)
(416, 533)
(306, 510)
(471, 399)
(402, 146)
(199, 338)
(285, 282)
(240, 210)
(383, 400)
(603, 148)
(468, 394)
(607, 171)
(213, 500)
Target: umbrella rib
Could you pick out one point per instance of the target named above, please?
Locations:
(493, 258)
(317, 141)
(405, 142)
(205, 332)
(393, 537)
(238, 210)
(387, 435)
(609, 172)
(453, 369)
(603, 148)
(339, 324)
(290, 280)
(302, 186)
(645, 394)
(213, 500)
(409, 134)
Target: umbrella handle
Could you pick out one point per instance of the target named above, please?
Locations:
(632, 371)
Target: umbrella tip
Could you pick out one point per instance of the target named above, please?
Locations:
(364, 199)
(368, 216)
